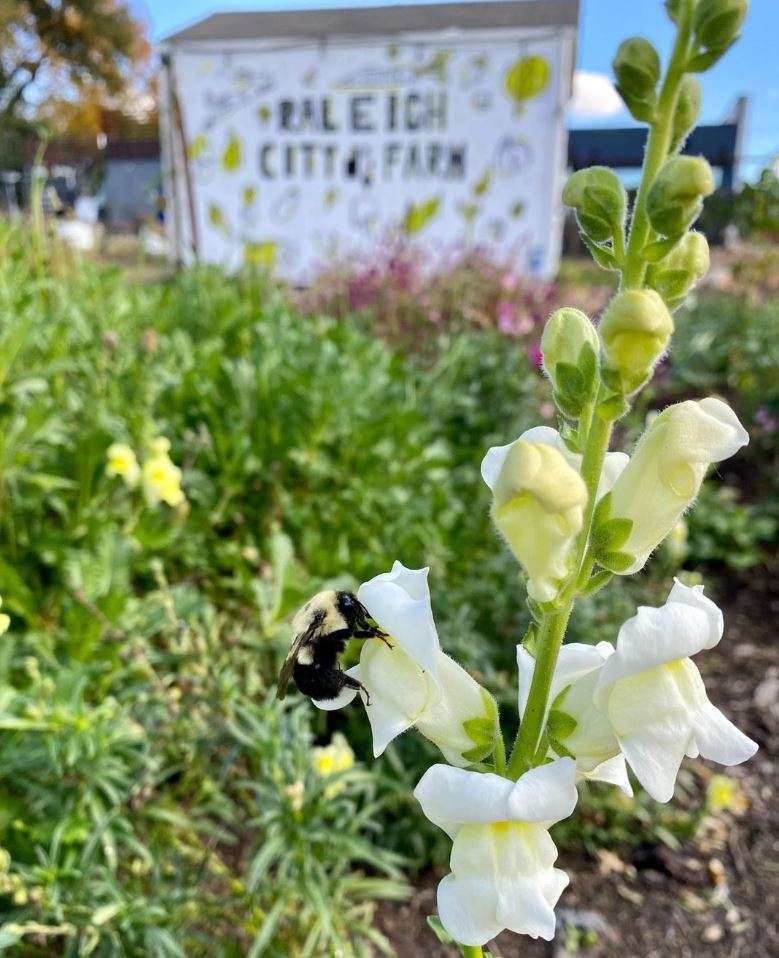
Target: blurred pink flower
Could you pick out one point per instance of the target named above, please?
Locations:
(507, 318)
(547, 410)
(509, 282)
(535, 355)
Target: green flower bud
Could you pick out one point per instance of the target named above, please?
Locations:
(637, 69)
(600, 202)
(635, 330)
(675, 199)
(672, 8)
(717, 23)
(688, 108)
(675, 275)
(567, 332)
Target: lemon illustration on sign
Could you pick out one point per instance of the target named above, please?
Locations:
(483, 183)
(262, 254)
(249, 195)
(197, 147)
(330, 198)
(468, 211)
(528, 77)
(418, 215)
(264, 113)
(216, 217)
(231, 158)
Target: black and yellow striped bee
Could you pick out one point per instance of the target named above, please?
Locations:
(321, 630)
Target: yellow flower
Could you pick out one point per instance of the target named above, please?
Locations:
(724, 795)
(161, 477)
(122, 462)
(331, 760)
(5, 620)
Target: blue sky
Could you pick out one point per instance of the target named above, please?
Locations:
(750, 68)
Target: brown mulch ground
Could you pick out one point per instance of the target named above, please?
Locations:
(717, 896)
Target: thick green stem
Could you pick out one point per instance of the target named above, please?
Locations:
(550, 638)
(596, 430)
(657, 148)
(471, 951)
(499, 755)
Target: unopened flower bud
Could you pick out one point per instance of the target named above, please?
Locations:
(667, 468)
(538, 507)
(567, 332)
(672, 9)
(675, 275)
(635, 330)
(637, 69)
(600, 201)
(716, 23)
(675, 199)
(688, 108)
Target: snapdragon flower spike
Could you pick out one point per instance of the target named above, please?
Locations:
(410, 681)
(538, 502)
(575, 722)
(502, 859)
(653, 695)
(666, 470)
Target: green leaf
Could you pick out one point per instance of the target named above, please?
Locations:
(569, 381)
(658, 250)
(568, 407)
(597, 582)
(602, 256)
(434, 924)
(481, 731)
(609, 536)
(561, 724)
(616, 561)
(613, 408)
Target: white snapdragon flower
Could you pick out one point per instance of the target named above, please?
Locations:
(538, 502)
(666, 470)
(591, 741)
(502, 859)
(653, 695)
(410, 681)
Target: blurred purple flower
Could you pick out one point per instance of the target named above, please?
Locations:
(535, 355)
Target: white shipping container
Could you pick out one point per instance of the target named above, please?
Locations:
(298, 137)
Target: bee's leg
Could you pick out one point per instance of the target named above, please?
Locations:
(374, 633)
(352, 683)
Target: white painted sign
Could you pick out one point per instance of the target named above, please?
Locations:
(308, 152)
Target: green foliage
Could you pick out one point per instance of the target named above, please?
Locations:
(153, 795)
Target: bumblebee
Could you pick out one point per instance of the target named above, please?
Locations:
(321, 630)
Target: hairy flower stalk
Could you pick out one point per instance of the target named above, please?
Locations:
(573, 515)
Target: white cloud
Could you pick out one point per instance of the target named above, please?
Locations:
(594, 95)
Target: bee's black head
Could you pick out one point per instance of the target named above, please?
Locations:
(350, 608)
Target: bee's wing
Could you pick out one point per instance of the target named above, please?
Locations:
(285, 674)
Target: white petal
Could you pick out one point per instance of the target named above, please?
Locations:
(719, 740)
(686, 624)
(467, 909)
(329, 705)
(544, 794)
(613, 771)
(461, 699)
(613, 465)
(453, 796)
(652, 716)
(386, 724)
(400, 602)
(693, 596)
(523, 905)
(386, 720)
(494, 458)
(731, 442)
(574, 662)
